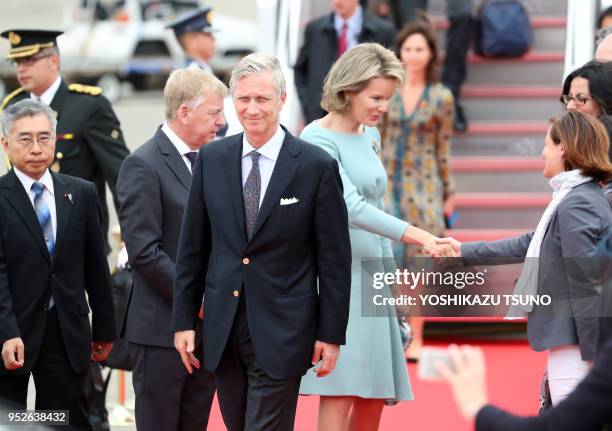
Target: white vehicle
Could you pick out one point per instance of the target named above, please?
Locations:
(107, 42)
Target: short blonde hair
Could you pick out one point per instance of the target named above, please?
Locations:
(354, 69)
(188, 87)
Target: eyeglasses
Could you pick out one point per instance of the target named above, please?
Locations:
(28, 61)
(578, 99)
(27, 141)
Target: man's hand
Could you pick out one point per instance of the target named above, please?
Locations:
(184, 342)
(13, 354)
(328, 353)
(100, 350)
(467, 379)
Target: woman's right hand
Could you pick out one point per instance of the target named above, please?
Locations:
(453, 243)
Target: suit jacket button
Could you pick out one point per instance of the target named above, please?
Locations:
(236, 293)
(246, 261)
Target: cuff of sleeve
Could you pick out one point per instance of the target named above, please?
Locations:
(394, 229)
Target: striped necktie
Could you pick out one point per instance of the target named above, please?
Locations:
(44, 216)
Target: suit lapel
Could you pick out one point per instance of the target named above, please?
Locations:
(284, 170)
(233, 167)
(64, 201)
(19, 199)
(173, 159)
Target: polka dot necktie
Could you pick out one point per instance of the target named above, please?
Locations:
(192, 156)
(251, 193)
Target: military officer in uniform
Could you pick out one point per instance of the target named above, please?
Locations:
(90, 143)
(194, 32)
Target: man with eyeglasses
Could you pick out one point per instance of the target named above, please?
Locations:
(90, 143)
(52, 263)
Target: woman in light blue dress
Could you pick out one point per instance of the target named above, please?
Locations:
(371, 368)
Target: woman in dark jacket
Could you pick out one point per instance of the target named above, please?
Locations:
(558, 252)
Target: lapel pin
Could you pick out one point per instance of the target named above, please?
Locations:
(69, 197)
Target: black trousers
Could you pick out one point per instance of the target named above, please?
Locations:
(58, 387)
(250, 400)
(459, 13)
(168, 398)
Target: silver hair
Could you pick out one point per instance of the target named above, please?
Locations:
(25, 108)
(257, 63)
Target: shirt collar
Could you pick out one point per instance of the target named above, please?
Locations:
(178, 143)
(354, 22)
(49, 94)
(270, 149)
(27, 181)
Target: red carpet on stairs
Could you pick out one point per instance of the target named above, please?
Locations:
(513, 372)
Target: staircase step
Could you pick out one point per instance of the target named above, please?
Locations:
(500, 210)
(498, 174)
(507, 128)
(529, 144)
(534, 68)
(497, 164)
(515, 109)
(535, 8)
(537, 22)
(468, 235)
(548, 32)
(512, 91)
(502, 200)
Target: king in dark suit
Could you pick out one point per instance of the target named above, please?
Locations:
(265, 221)
(51, 255)
(153, 187)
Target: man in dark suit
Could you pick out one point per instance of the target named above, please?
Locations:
(90, 143)
(153, 187)
(51, 253)
(265, 221)
(328, 37)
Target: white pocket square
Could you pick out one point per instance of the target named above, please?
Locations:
(289, 201)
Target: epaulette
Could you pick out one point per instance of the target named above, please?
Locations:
(10, 97)
(85, 89)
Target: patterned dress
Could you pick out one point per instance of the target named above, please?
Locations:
(415, 153)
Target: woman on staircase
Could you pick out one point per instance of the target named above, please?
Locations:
(415, 136)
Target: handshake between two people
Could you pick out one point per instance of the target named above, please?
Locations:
(432, 245)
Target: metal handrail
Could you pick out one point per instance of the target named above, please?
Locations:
(580, 33)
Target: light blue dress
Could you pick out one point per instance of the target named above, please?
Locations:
(372, 363)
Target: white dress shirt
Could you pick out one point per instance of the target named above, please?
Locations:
(48, 197)
(355, 23)
(179, 144)
(267, 159)
(49, 94)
